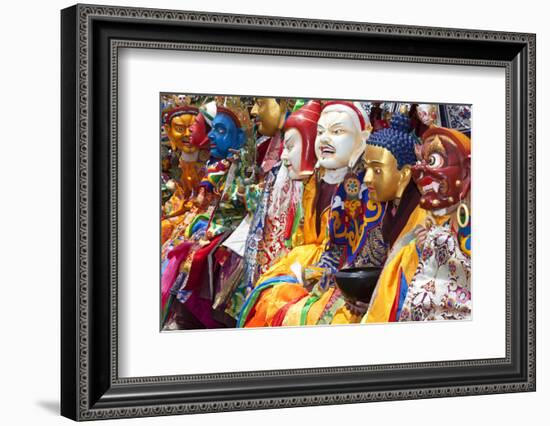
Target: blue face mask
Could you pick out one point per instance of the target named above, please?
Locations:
(224, 135)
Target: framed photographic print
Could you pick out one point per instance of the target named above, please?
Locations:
(263, 212)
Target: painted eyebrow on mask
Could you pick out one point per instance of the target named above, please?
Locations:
(436, 145)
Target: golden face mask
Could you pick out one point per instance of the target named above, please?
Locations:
(268, 115)
(179, 131)
(382, 176)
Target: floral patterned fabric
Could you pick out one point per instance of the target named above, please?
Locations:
(256, 234)
(440, 288)
(285, 194)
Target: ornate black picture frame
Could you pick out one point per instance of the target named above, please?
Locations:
(91, 37)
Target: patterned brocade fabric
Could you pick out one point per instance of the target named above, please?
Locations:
(256, 233)
(440, 289)
(232, 206)
(215, 176)
(352, 217)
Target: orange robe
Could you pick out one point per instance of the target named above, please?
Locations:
(266, 299)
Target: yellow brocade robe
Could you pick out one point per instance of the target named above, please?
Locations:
(402, 261)
(179, 203)
(388, 283)
(314, 241)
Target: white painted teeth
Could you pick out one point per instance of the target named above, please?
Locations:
(434, 186)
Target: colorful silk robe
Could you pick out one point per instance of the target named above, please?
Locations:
(177, 261)
(431, 283)
(279, 284)
(179, 202)
(355, 240)
(357, 230)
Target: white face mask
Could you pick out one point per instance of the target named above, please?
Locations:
(340, 142)
(426, 113)
(292, 153)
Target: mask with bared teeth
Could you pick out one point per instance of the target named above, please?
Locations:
(442, 173)
(341, 135)
(177, 125)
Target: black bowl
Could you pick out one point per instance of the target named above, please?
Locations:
(357, 283)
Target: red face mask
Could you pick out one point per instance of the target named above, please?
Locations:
(442, 173)
(199, 133)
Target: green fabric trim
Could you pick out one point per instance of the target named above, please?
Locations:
(306, 308)
(251, 303)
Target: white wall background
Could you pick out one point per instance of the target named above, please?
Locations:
(29, 211)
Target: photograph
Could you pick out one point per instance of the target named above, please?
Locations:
(272, 213)
(275, 210)
(281, 212)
